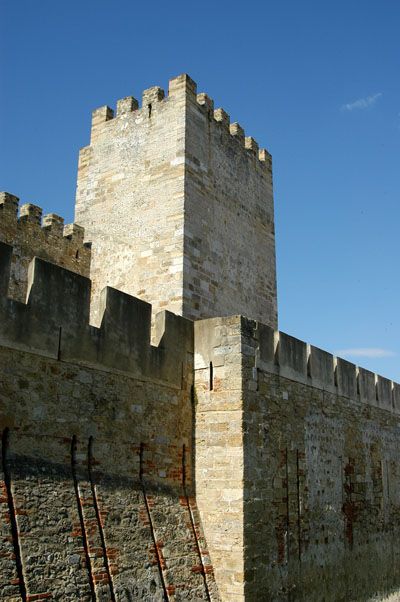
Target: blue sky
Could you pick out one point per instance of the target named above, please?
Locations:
(317, 83)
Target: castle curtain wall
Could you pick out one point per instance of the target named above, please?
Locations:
(96, 468)
(297, 467)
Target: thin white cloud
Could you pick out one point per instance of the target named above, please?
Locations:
(365, 352)
(362, 103)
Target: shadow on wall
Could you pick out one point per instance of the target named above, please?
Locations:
(77, 529)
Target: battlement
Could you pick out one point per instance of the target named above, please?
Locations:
(181, 87)
(279, 353)
(30, 214)
(32, 234)
(54, 322)
(162, 186)
(294, 359)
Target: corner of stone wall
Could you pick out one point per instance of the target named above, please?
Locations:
(219, 447)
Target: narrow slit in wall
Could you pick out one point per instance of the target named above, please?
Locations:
(211, 375)
(59, 343)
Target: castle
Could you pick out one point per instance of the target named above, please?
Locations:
(161, 440)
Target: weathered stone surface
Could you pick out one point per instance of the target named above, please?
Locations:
(94, 486)
(48, 239)
(184, 208)
(321, 368)
(81, 516)
(55, 322)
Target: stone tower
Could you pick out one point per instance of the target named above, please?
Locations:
(178, 206)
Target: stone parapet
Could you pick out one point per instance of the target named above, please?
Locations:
(161, 188)
(179, 86)
(54, 322)
(296, 467)
(279, 353)
(32, 234)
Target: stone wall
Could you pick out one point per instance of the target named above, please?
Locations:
(229, 219)
(182, 203)
(112, 463)
(97, 499)
(130, 196)
(31, 236)
(297, 468)
(219, 449)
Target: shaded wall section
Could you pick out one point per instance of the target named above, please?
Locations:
(97, 498)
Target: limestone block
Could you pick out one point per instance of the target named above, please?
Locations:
(346, 378)
(367, 386)
(292, 357)
(321, 368)
(384, 393)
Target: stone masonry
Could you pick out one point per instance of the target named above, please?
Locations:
(197, 455)
(47, 238)
(182, 202)
(96, 469)
(297, 468)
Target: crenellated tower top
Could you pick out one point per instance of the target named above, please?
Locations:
(34, 235)
(155, 95)
(178, 205)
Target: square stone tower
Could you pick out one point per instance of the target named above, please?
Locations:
(178, 205)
